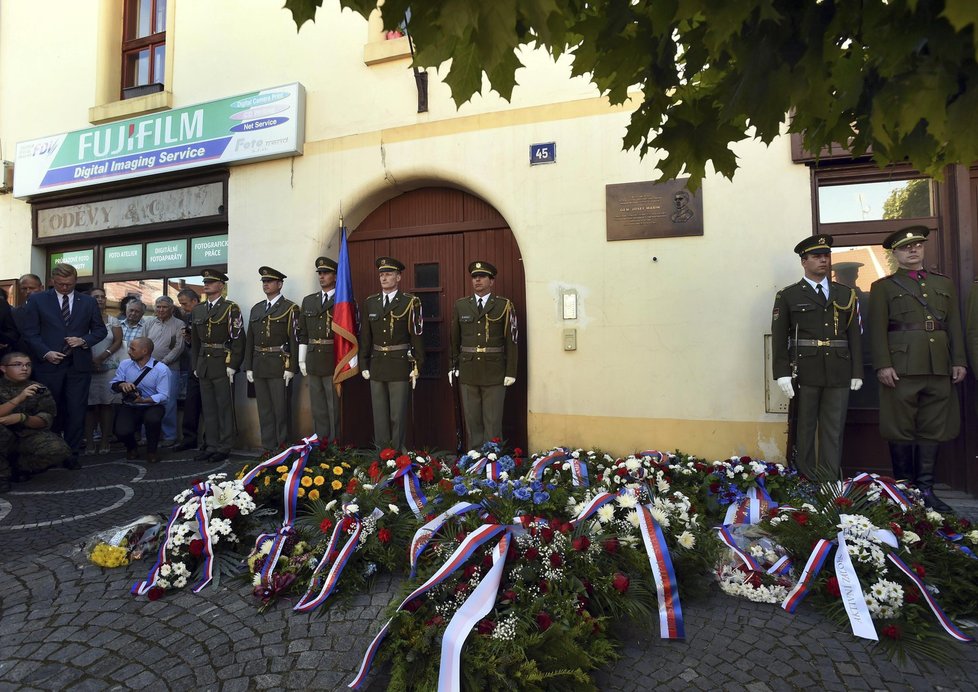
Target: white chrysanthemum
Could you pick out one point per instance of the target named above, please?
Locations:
(391, 463)
(394, 509)
(180, 582)
(909, 537)
(626, 500)
(663, 485)
(352, 508)
(256, 579)
(687, 540)
(606, 513)
(631, 463)
(659, 516)
(935, 517)
(165, 569)
(633, 520)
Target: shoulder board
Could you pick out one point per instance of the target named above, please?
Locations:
(938, 274)
(836, 284)
(373, 295)
(232, 304)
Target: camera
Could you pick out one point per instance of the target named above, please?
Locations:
(130, 397)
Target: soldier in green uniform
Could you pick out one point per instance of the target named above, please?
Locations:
(484, 354)
(217, 348)
(391, 352)
(816, 336)
(270, 358)
(27, 410)
(316, 362)
(919, 354)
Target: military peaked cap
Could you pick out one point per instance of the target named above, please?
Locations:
(325, 264)
(213, 275)
(910, 234)
(389, 264)
(816, 245)
(480, 268)
(269, 274)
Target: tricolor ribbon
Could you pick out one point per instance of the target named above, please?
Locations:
(337, 559)
(203, 515)
(891, 490)
(852, 593)
(424, 535)
(413, 494)
(942, 618)
(753, 508)
(808, 574)
(491, 467)
(667, 586)
(578, 468)
(142, 587)
(592, 506)
(954, 538)
(728, 540)
(307, 443)
(463, 552)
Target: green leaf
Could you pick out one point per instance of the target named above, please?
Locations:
(464, 77)
(302, 11)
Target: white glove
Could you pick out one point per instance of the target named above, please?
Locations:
(250, 374)
(452, 374)
(365, 374)
(302, 368)
(785, 384)
(287, 376)
(414, 379)
(855, 384)
(195, 373)
(508, 381)
(230, 372)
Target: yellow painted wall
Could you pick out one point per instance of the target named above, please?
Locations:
(670, 351)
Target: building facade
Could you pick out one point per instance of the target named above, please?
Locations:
(631, 338)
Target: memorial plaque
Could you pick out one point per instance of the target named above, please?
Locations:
(653, 210)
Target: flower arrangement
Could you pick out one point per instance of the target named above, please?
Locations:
(121, 545)
(328, 470)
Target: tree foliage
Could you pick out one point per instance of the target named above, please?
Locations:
(911, 201)
(897, 79)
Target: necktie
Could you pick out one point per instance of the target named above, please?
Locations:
(268, 308)
(821, 294)
(918, 275)
(387, 301)
(481, 305)
(325, 296)
(65, 311)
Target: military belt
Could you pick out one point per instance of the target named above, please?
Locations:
(826, 343)
(927, 326)
(482, 349)
(320, 342)
(269, 349)
(220, 345)
(396, 347)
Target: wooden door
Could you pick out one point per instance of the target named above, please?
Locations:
(436, 232)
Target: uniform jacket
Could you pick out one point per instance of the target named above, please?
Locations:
(401, 323)
(220, 326)
(495, 327)
(43, 329)
(916, 352)
(278, 330)
(316, 322)
(836, 318)
(972, 328)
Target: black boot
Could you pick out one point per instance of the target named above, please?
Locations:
(901, 456)
(926, 463)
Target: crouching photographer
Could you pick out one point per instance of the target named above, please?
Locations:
(144, 384)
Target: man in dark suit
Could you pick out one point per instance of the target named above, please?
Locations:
(484, 354)
(60, 326)
(391, 352)
(815, 331)
(316, 357)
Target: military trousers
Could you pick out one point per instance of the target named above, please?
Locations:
(921, 408)
(325, 407)
(191, 411)
(483, 408)
(274, 411)
(820, 427)
(389, 401)
(215, 399)
(30, 451)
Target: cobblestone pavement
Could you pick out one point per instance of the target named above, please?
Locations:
(69, 625)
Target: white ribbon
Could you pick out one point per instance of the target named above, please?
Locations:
(852, 593)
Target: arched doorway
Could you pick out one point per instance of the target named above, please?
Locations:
(436, 232)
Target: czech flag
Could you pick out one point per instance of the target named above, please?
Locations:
(345, 319)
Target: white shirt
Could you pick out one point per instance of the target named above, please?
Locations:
(71, 300)
(484, 299)
(824, 283)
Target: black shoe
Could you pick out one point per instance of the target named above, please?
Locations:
(932, 501)
(219, 457)
(184, 446)
(203, 455)
(72, 463)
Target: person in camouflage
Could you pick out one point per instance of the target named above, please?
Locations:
(27, 409)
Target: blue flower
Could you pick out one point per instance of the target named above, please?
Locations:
(537, 486)
(460, 489)
(540, 497)
(506, 463)
(522, 493)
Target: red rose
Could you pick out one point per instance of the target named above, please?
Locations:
(230, 511)
(469, 571)
(512, 554)
(911, 596)
(460, 536)
(497, 440)
(384, 535)
(745, 460)
(919, 569)
(509, 595)
(843, 502)
(351, 487)
(388, 454)
(544, 586)
(832, 586)
(517, 452)
(348, 523)
(435, 621)
(403, 460)
(461, 587)
(565, 527)
(611, 545)
(325, 525)
(445, 485)
(487, 560)
(374, 471)
(544, 621)
(800, 517)
(427, 474)
(620, 582)
(412, 605)
(715, 487)
(547, 534)
(896, 529)
(485, 627)
(588, 586)
(621, 472)
(531, 554)
(965, 523)
(581, 543)
(155, 593)
(892, 631)
(556, 560)
(251, 489)
(196, 547)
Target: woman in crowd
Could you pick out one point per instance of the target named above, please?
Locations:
(105, 360)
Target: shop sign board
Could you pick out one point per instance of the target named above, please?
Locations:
(212, 249)
(82, 260)
(250, 127)
(123, 258)
(167, 254)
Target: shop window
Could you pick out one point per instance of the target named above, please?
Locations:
(143, 47)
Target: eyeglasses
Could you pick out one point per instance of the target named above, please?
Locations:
(25, 364)
(910, 246)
